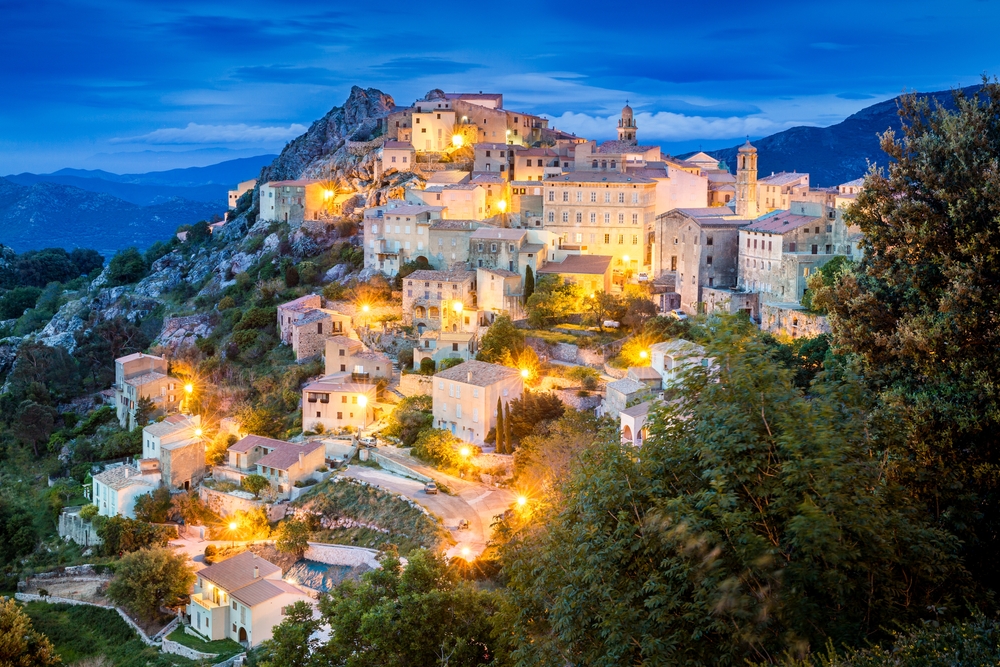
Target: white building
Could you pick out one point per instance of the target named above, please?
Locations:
(465, 397)
(116, 489)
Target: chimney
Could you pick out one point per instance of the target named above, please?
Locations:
(302, 457)
(470, 377)
(256, 572)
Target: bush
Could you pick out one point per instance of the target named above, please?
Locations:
(291, 276)
(585, 375)
(14, 302)
(405, 358)
(427, 366)
(88, 512)
(210, 552)
(126, 267)
(438, 447)
(451, 361)
(226, 303)
(303, 483)
(411, 416)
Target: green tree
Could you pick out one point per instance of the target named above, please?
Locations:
(291, 644)
(602, 306)
(149, 579)
(291, 276)
(919, 311)
(411, 416)
(14, 302)
(427, 366)
(529, 282)
(824, 279)
(972, 642)
(554, 300)
(531, 412)
(121, 535)
(438, 447)
(546, 457)
(122, 443)
(86, 260)
(255, 484)
(423, 615)
(757, 522)
(33, 424)
(126, 267)
(154, 507)
(508, 443)
(144, 409)
(499, 429)
(501, 337)
(292, 537)
(419, 264)
(18, 536)
(20, 644)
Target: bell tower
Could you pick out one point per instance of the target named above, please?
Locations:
(626, 126)
(746, 182)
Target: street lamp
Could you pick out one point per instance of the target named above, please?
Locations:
(465, 451)
(502, 205)
(197, 432)
(522, 501)
(525, 373)
(363, 402)
(458, 306)
(457, 141)
(643, 354)
(466, 553)
(232, 532)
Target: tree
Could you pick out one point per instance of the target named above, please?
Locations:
(418, 264)
(250, 525)
(531, 412)
(255, 484)
(144, 409)
(427, 366)
(18, 536)
(507, 442)
(554, 300)
(411, 416)
(529, 282)
(154, 507)
(501, 337)
(292, 537)
(501, 446)
(14, 302)
(120, 535)
(602, 306)
(918, 312)
(291, 643)
(291, 276)
(149, 579)
(638, 309)
(824, 279)
(192, 509)
(438, 447)
(86, 260)
(126, 267)
(218, 446)
(20, 644)
(757, 522)
(423, 615)
(33, 424)
(545, 458)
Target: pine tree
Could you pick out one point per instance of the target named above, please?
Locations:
(506, 431)
(529, 283)
(499, 427)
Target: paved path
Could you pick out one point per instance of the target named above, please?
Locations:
(474, 502)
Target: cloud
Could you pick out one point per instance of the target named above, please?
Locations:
(417, 67)
(668, 126)
(855, 96)
(216, 134)
(287, 74)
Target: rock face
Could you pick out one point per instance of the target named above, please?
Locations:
(180, 332)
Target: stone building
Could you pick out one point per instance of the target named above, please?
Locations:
(500, 248)
(700, 248)
(441, 345)
(397, 155)
(627, 127)
(591, 272)
(116, 489)
(396, 234)
(747, 203)
(777, 191)
(465, 397)
(534, 164)
(441, 300)
(338, 402)
(281, 463)
(241, 188)
(495, 158)
(449, 242)
(498, 292)
(297, 201)
(178, 445)
(139, 376)
(463, 201)
(347, 355)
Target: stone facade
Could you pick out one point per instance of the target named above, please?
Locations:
(787, 320)
(440, 300)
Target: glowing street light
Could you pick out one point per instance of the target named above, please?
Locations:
(232, 531)
(643, 354)
(189, 388)
(458, 306)
(502, 205)
(457, 141)
(363, 402)
(466, 553)
(327, 194)
(625, 258)
(525, 373)
(366, 308)
(522, 501)
(465, 451)
(197, 432)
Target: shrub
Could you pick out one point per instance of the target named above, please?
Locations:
(210, 552)
(427, 366)
(88, 512)
(291, 276)
(438, 447)
(127, 266)
(226, 303)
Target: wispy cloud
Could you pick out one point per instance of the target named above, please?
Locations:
(666, 126)
(194, 133)
(417, 67)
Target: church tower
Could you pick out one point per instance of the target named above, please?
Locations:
(746, 182)
(626, 126)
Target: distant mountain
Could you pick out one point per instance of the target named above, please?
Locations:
(46, 215)
(201, 184)
(835, 154)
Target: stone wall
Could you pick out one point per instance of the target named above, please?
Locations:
(72, 527)
(415, 385)
(182, 650)
(336, 554)
(784, 320)
(227, 503)
(31, 597)
(396, 467)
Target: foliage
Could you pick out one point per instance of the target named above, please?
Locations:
(255, 484)
(149, 579)
(43, 374)
(259, 420)
(33, 423)
(257, 318)
(532, 411)
(215, 451)
(126, 267)
(291, 276)
(427, 366)
(21, 645)
(291, 644)
(226, 302)
(438, 447)
(122, 443)
(18, 535)
(411, 416)
(756, 522)
(585, 375)
(450, 362)
(529, 282)
(804, 356)
(638, 308)
(121, 535)
(546, 456)
(38, 268)
(292, 537)
(14, 302)
(554, 300)
(602, 306)
(918, 312)
(394, 617)
(418, 264)
(501, 337)
(192, 509)
(154, 507)
(824, 279)
(251, 524)
(88, 512)
(405, 358)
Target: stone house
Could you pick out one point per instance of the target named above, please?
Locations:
(534, 164)
(449, 242)
(397, 155)
(499, 291)
(463, 201)
(465, 397)
(620, 393)
(241, 188)
(590, 272)
(116, 489)
(347, 355)
(178, 445)
(296, 201)
(241, 598)
(776, 192)
(441, 300)
(633, 423)
(139, 376)
(282, 463)
(338, 402)
(396, 234)
(499, 248)
(673, 357)
(495, 158)
(309, 333)
(441, 345)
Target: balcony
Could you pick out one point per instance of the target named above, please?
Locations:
(364, 378)
(204, 601)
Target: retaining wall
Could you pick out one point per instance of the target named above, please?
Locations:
(186, 652)
(72, 527)
(336, 554)
(31, 597)
(398, 468)
(415, 385)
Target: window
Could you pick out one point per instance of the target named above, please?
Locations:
(579, 218)
(708, 260)
(343, 399)
(635, 218)
(579, 195)
(673, 262)
(815, 249)
(621, 197)
(708, 240)
(607, 218)
(552, 195)
(565, 216)
(635, 239)
(593, 218)
(593, 197)
(829, 228)
(566, 195)
(829, 249)
(635, 197)
(607, 197)
(769, 246)
(475, 392)
(607, 238)
(621, 239)
(755, 244)
(493, 247)
(475, 415)
(748, 242)
(791, 247)
(578, 238)
(552, 216)
(458, 411)
(621, 218)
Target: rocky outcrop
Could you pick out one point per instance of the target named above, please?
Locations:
(60, 330)
(181, 332)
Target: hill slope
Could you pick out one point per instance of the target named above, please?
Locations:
(835, 154)
(52, 215)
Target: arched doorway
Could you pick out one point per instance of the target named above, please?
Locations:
(627, 434)
(243, 635)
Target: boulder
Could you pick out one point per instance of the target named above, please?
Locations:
(336, 273)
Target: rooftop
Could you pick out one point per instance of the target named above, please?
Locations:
(412, 209)
(121, 477)
(171, 424)
(644, 373)
(487, 177)
(783, 178)
(300, 182)
(579, 264)
(478, 373)
(135, 357)
(312, 315)
(287, 455)
(780, 223)
(338, 383)
(301, 303)
(638, 410)
(457, 224)
(678, 346)
(615, 147)
(346, 341)
(398, 144)
(263, 590)
(453, 276)
(493, 146)
(448, 176)
(627, 386)
(234, 573)
(461, 186)
(532, 248)
(597, 177)
(249, 442)
(501, 272)
(499, 233)
(145, 378)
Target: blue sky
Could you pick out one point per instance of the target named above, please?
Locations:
(160, 84)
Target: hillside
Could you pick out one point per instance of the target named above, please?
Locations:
(835, 154)
(47, 215)
(201, 184)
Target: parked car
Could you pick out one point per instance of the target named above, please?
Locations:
(642, 277)
(367, 441)
(677, 314)
(431, 488)
(611, 324)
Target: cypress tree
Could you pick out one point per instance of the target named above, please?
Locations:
(506, 431)
(500, 428)
(529, 283)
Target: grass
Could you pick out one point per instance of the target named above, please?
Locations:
(552, 336)
(80, 632)
(224, 648)
(408, 527)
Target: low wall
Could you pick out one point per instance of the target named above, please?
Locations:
(415, 385)
(31, 597)
(336, 554)
(183, 651)
(617, 373)
(786, 321)
(339, 450)
(225, 503)
(396, 467)
(72, 527)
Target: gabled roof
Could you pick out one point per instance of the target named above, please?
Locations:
(300, 303)
(501, 233)
(145, 378)
(644, 373)
(579, 265)
(627, 386)
(122, 477)
(782, 178)
(287, 455)
(249, 442)
(781, 223)
(171, 424)
(456, 276)
(478, 373)
(234, 573)
(263, 590)
(504, 273)
(135, 356)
